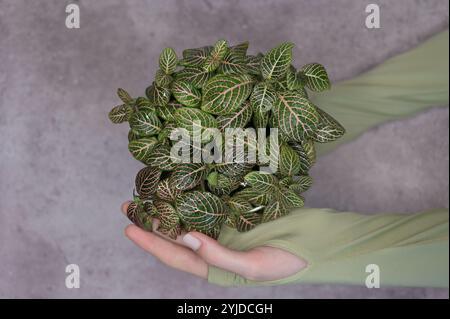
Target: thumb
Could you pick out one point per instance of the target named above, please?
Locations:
(217, 255)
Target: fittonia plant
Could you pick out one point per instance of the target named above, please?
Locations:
(222, 87)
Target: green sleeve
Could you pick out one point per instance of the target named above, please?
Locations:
(410, 250)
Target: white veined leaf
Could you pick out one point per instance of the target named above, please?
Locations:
(294, 80)
(246, 221)
(146, 181)
(239, 118)
(194, 119)
(254, 196)
(145, 123)
(224, 185)
(224, 94)
(162, 79)
(253, 64)
(194, 75)
(289, 161)
(316, 77)
(273, 211)
(142, 148)
(301, 184)
(124, 96)
(120, 113)
(289, 199)
(328, 128)
(162, 158)
(167, 112)
(263, 182)
(310, 150)
(276, 62)
(168, 60)
(158, 95)
(201, 210)
(240, 49)
(186, 93)
(143, 103)
(195, 57)
(167, 215)
(262, 98)
(297, 116)
(233, 169)
(187, 176)
(305, 161)
(233, 63)
(216, 56)
(165, 192)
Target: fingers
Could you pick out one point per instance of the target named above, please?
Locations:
(169, 253)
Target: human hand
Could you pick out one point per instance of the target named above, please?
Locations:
(194, 252)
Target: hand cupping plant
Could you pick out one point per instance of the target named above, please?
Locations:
(221, 87)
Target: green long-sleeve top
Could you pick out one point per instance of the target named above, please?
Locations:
(409, 250)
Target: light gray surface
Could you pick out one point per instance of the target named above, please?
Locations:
(65, 169)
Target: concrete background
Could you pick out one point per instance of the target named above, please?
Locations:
(64, 169)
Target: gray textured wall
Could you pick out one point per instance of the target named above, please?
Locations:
(64, 169)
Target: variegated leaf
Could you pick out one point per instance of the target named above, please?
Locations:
(165, 192)
(263, 182)
(186, 93)
(233, 63)
(195, 57)
(260, 118)
(162, 79)
(240, 49)
(316, 77)
(247, 221)
(201, 211)
(289, 199)
(297, 116)
(168, 216)
(124, 96)
(120, 113)
(162, 158)
(294, 80)
(194, 119)
(137, 215)
(239, 118)
(194, 75)
(146, 181)
(273, 211)
(142, 148)
(224, 94)
(289, 161)
(310, 150)
(239, 205)
(167, 112)
(145, 123)
(213, 232)
(223, 185)
(158, 95)
(262, 98)
(301, 184)
(132, 135)
(276, 62)
(305, 162)
(253, 64)
(254, 196)
(142, 103)
(328, 129)
(187, 176)
(164, 134)
(233, 169)
(216, 56)
(168, 60)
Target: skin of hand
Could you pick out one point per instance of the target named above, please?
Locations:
(193, 252)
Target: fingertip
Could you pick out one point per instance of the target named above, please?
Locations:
(124, 207)
(130, 230)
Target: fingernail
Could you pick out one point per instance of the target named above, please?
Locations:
(191, 242)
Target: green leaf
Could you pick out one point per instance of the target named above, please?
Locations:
(328, 129)
(305, 161)
(142, 148)
(168, 60)
(301, 184)
(165, 192)
(239, 118)
(224, 94)
(316, 77)
(276, 62)
(223, 185)
(289, 161)
(262, 98)
(289, 199)
(233, 63)
(216, 56)
(187, 176)
(297, 116)
(120, 113)
(273, 211)
(233, 169)
(146, 181)
(145, 123)
(253, 64)
(194, 75)
(162, 79)
(162, 159)
(191, 119)
(260, 119)
(254, 196)
(168, 218)
(240, 49)
(294, 80)
(167, 112)
(137, 215)
(263, 182)
(195, 57)
(124, 96)
(310, 150)
(201, 210)
(142, 103)
(239, 205)
(186, 93)
(158, 95)
(132, 135)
